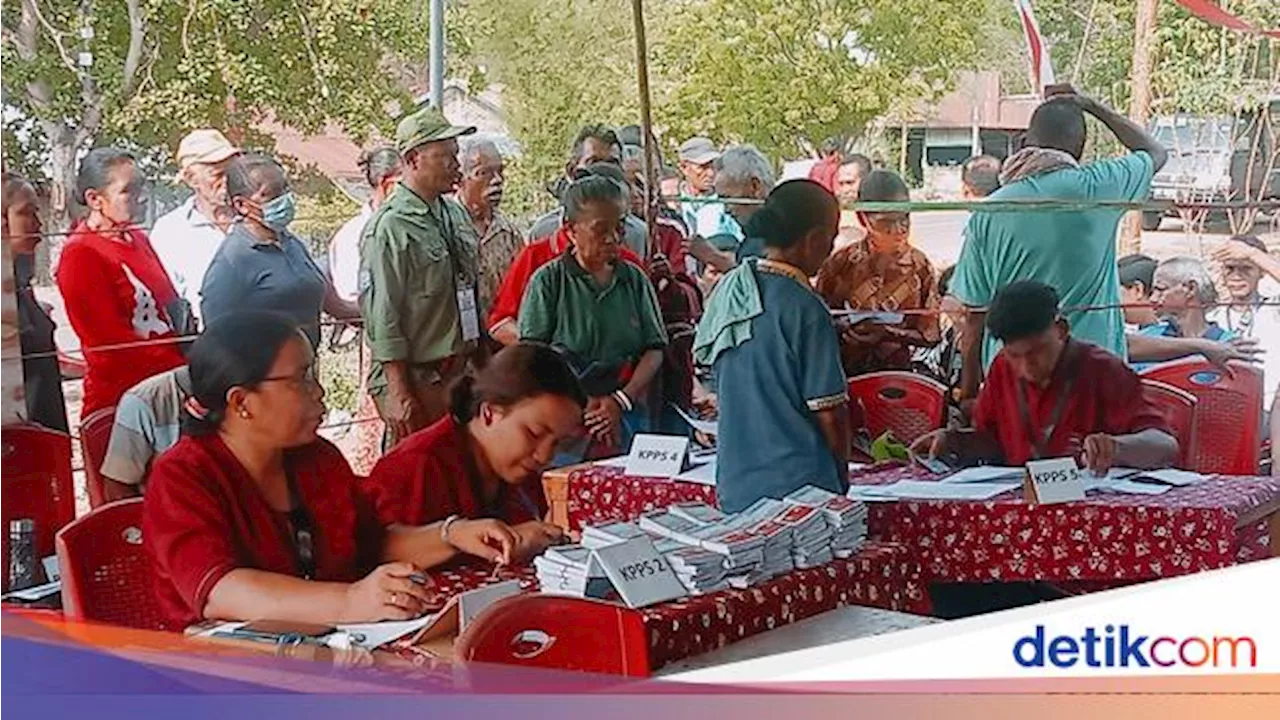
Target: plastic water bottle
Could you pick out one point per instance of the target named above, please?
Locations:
(22, 554)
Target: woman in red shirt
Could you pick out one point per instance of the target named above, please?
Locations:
(115, 289)
(484, 459)
(252, 516)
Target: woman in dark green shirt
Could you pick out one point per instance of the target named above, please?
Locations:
(602, 312)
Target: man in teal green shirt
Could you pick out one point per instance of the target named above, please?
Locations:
(1073, 251)
(418, 273)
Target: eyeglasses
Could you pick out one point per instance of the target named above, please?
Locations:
(889, 220)
(306, 379)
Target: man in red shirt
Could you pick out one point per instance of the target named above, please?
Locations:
(1050, 395)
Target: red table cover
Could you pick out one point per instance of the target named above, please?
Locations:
(879, 575)
(1106, 537)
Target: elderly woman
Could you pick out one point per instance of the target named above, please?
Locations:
(42, 380)
(261, 265)
(116, 291)
(485, 458)
(600, 311)
(775, 353)
(253, 516)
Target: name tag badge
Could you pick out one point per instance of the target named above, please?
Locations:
(468, 314)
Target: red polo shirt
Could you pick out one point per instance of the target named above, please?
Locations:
(429, 476)
(204, 516)
(506, 303)
(1105, 398)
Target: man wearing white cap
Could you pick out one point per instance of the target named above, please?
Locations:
(698, 156)
(187, 237)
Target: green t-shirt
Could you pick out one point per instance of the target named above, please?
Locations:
(1073, 251)
(610, 325)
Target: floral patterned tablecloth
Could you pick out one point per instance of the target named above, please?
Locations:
(879, 575)
(1106, 537)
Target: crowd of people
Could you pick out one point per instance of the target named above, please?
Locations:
(494, 354)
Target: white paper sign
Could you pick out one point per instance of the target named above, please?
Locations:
(473, 602)
(640, 575)
(468, 315)
(1054, 481)
(657, 455)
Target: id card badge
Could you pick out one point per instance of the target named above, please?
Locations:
(468, 314)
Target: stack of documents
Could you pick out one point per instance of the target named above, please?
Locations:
(701, 514)
(569, 570)
(811, 539)
(598, 536)
(776, 557)
(662, 523)
(846, 518)
(699, 570)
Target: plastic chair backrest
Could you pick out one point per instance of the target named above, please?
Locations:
(549, 631)
(95, 435)
(37, 484)
(908, 404)
(1228, 413)
(106, 574)
(1179, 408)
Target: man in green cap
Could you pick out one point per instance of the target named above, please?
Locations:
(418, 273)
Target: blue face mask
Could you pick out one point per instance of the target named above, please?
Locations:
(278, 212)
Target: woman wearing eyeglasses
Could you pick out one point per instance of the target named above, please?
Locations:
(253, 516)
(882, 272)
(261, 265)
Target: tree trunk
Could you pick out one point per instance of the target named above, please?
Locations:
(62, 187)
(1139, 106)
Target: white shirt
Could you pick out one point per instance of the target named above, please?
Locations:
(344, 255)
(186, 242)
(1262, 324)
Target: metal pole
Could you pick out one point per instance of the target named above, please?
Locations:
(646, 118)
(436, 67)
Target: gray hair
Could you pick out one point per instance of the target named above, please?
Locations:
(593, 188)
(380, 164)
(1180, 270)
(475, 147)
(741, 163)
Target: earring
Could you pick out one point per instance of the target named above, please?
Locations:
(244, 414)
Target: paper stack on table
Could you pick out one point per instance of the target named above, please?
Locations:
(776, 558)
(698, 569)
(846, 518)
(598, 536)
(668, 525)
(699, 513)
(569, 570)
(811, 539)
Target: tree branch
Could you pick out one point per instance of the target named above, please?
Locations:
(54, 34)
(137, 32)
(24, 37)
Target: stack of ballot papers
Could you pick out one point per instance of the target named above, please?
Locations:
(661, 523)
(698, 569)
(811, 536)
(569, 570)
(846, 518)
(598, 536)
(699, 513)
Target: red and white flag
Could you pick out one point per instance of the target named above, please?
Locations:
(1041, 65)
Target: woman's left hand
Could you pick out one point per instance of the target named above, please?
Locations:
(602, 419)
(534, 537)
(490, 539)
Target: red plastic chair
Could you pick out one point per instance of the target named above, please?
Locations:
(564, 633)
(1179, 408)
(95, 435)
(37, 484)
(1228, 413)
(106, 574)
(908, 404)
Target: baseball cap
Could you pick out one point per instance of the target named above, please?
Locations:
(204, 146)
(426, 125)
(698, 150)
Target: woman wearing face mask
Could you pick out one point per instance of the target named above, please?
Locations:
(485, 458)
(261, 265)
(882, 272)
(252, 516)
(42, 380)
(116, 291)
(601, 311)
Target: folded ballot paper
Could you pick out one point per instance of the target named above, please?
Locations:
(598, 536)
(571, 570)
(847, 518)
(811, 537)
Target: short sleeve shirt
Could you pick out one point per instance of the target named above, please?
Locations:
(280, 276)
(147, 422)
(497, 249)
(769, 389)
(203, 516)
(186, 241)
(1106, 397)
(612, 325)
(1073, 251)
(1261, 322)
(428, 476)
(413, 255)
